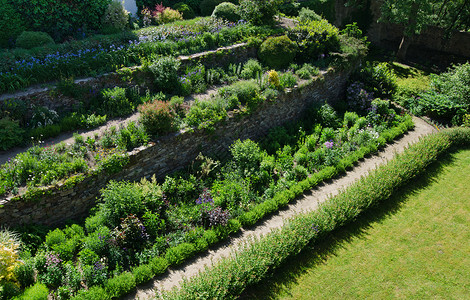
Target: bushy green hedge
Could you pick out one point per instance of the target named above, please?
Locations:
(69, 18)
(278, 52)
(229, 277)
(31, 39)
(11, 23)
(315, 38)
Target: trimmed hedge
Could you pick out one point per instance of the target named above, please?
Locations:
(250, 265)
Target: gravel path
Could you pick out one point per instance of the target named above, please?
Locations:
(310, 201)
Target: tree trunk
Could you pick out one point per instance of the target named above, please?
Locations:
(404, 45)
(408, 32)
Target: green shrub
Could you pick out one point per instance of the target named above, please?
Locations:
(95, 293)
(227, 11)
(115, 18)
(69, 18)
(287, 80)
(165, 72)
(11, 134)
(31, 39)
(306, 15)
(208, 6)
(142, 273)
(314, 38)
(120, 285)
(350, 118)
(204, 114)
(11, 23)
(307, 71)
(119, 199)
(277, 52)
(246, 92)
(159, 265)
(24, 273)
(97, 242)
(251, 69)
(259, 12)
(448, 98)
(38, 291)
(185, 10)
(176, 255)
(115, 103)
(87, 257)
(379, 79)
(158, 117)
(169, 15)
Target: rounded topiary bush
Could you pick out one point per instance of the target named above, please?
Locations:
(227, 11)
(208, 6)
(31, 39)
(185, 10)
(277, 52)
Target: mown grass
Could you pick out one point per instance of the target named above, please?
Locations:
(415, 245)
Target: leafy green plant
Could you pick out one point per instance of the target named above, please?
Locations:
(278, 52)
(165, 72)
(259, 12)
(204, 115)
(314, 38)
(306, 15)
(39, 291)
(115, 102)
(158, 117)
(11, 134)
(115, 18)
(287, 80)
(11, 23)
(142, 273)
(169, 15)
(227, 11)
(31, 39)
(251, 69)
(186, 10)
(176, 255)
(307, 71)
(379, 79)
(120, 285)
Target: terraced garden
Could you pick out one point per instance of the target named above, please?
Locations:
(182, 136)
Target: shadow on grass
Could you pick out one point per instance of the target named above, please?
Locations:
(319, 251)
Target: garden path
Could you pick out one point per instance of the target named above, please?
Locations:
(309, 201)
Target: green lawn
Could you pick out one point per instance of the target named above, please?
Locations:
(416, 246)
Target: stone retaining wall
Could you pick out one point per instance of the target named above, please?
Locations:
(174, 152)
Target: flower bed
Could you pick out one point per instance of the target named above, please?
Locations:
(94, 57)
(139, 229)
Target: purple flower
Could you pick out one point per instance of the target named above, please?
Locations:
(329, 144)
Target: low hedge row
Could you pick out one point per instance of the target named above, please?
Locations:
(256, 259)
(125, 282)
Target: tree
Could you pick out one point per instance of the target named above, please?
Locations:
(415, 15)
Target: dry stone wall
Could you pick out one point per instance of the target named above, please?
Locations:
(174, 152)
